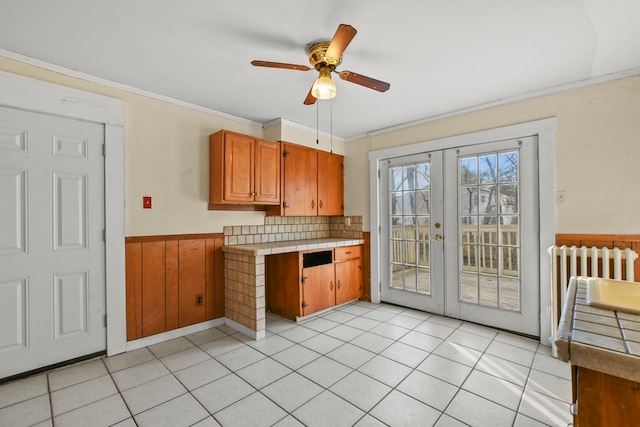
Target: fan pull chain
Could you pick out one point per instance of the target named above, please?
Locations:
(317, 124)
(331, 124)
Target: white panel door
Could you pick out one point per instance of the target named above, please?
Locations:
(52, 252)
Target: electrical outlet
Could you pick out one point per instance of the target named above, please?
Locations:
(146, 202)
(347, 222)
(199, 299)
(561, 197)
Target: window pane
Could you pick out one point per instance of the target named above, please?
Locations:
(423, 178)
(508, 166)
(395, 178)
(468, 171)
(488, 168)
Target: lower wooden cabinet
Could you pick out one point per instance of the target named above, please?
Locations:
(303, 283)
(604, 400)
(172, 282)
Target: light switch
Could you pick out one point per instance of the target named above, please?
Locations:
(146, 202)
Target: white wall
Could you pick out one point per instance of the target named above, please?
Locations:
(166, 157)
(597, 153)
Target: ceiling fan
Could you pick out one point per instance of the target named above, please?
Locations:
(325, 56)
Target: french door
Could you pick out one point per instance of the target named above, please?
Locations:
(460, 233)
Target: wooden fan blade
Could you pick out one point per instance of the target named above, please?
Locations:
(310, 99)
(341, 39)
(365, 81)
(280, 65)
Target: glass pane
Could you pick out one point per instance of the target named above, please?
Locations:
(395, 178)
(508, 198)
(508, 166)
(468, 200)
(409, 203)
(469, 288)
(470, 258)
(409, 230)
(410, 281)
(422, 204)
(509, 294)
(423, 254)
(509, 236)
(397, 276)
(410, 253)
(468, 171)
(488, 168)
(489, 259)
(423, 227)
(487, 199)
(488, 194)
(424, 280)
(510, 262)
(396, 203)
(423, 178)
(488, 291)
(409, 178)
(409, 242)
(469, 221)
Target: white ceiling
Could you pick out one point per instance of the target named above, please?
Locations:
(438, 56)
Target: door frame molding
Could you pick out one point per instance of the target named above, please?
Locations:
(42, 97)
(545, 131)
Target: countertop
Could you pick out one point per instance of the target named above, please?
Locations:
(290, 246)
(603, 340)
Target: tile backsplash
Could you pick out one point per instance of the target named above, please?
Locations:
(280, 229)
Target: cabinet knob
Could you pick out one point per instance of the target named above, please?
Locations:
(331, 285)
(313, 204)
(320, 204)
(339, 284)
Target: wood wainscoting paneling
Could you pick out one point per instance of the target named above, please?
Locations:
(173, 281)
(622, 241)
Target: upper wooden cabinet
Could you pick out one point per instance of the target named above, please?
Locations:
(312, 182)
(243, 170)
(330, 183)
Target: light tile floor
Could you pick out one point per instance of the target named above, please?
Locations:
(360, 364)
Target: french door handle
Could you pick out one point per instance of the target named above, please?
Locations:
(438, 237)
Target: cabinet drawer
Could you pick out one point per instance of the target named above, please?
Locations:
(348, 252)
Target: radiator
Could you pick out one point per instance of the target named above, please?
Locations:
(610, 263)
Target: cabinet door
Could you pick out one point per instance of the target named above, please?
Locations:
(300, 181)
(330, 184)
(267, 172)
(348, 280)
(318, 288)
(238, 168)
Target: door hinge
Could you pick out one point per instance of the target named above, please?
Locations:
(303, 279)
(379, 286)
(304, 304)
(104, 234)
(378, 173)
(105, 320)
(285, 205)
(285, 154)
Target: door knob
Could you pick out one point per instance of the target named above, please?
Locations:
(438, 237)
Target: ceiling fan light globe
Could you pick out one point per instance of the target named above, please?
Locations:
(324, 88)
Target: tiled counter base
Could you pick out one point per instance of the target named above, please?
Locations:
(604, 340)
(244, 279)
